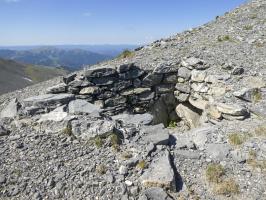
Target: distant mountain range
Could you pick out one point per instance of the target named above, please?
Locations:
(71, 57)
(14, 75)
(51, 56)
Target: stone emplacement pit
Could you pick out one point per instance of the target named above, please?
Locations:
(181, 92)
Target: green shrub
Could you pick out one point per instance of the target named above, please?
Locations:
(101, 169)
(248, 27)
(68, 130)
(172, 124)
(223, 38)
(141, 164)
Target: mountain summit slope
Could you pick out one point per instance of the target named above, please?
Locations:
(14, 75)
(181, 118)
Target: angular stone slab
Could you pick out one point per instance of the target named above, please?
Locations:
(81, 106)
(47, 100)
(154, 193)
(164, 69)
(60, 88)
(157, 134)
(192, 118)
(56, 115)
(232, 109)
(138, 119)
(100, 72)
(217, 152)
(160, 173)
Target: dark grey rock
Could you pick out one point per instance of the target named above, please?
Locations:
(133, 73)
(3, 131)
(67, 79)
(121, 85)
(152, 79)
(125, 67)
(102, 81)
(164, 88)
(100, 72)
(115, 101)
(164, 69)
(47, 100)
(238, 71)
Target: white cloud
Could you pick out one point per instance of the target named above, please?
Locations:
(87, 14)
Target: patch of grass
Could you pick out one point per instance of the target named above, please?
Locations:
(172, 124)
(226, 187)
(101, 169)
(254, 163)
(253, 16)
(248, 27)
(126, 155)
(142, 164)
(214, 172)
(98, 141)
(261, 131)
(256, 95)
(223, 38)
(126, 54)
(115, 141)
(236, 139)
(68, 130)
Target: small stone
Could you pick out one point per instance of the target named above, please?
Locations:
(181, 97)
(89, 90)
(154, 193)
(184, 72)
(156, 134)
(191, 62)
(123, 170)
(200, 87)
(2, 179)
(198, 76)
(238, 71)
(128, 183)
(182, 87)
(81, 106)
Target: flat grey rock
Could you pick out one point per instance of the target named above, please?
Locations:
(138, 119)
(160, 173)
(48, 99)
(157, 134)
(217, 152)
(56, 115)
(81, 106)
(154, 193)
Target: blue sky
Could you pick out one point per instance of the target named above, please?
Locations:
(49, 22)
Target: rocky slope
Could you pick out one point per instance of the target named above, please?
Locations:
(181, 118)
(14, 75)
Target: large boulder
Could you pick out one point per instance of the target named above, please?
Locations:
(11, 110)
(191, 117)
(160, 173)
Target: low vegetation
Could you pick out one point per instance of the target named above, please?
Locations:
(227, 187)
(126, 54)
(256, 95)
(68, 130)
(141, 165)
(260, 131)
(98, 141)
(248, 27)
(254, 162)
(172, 124)
(214, 173)
(101, 169)
(236, 139)
(223, 38)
